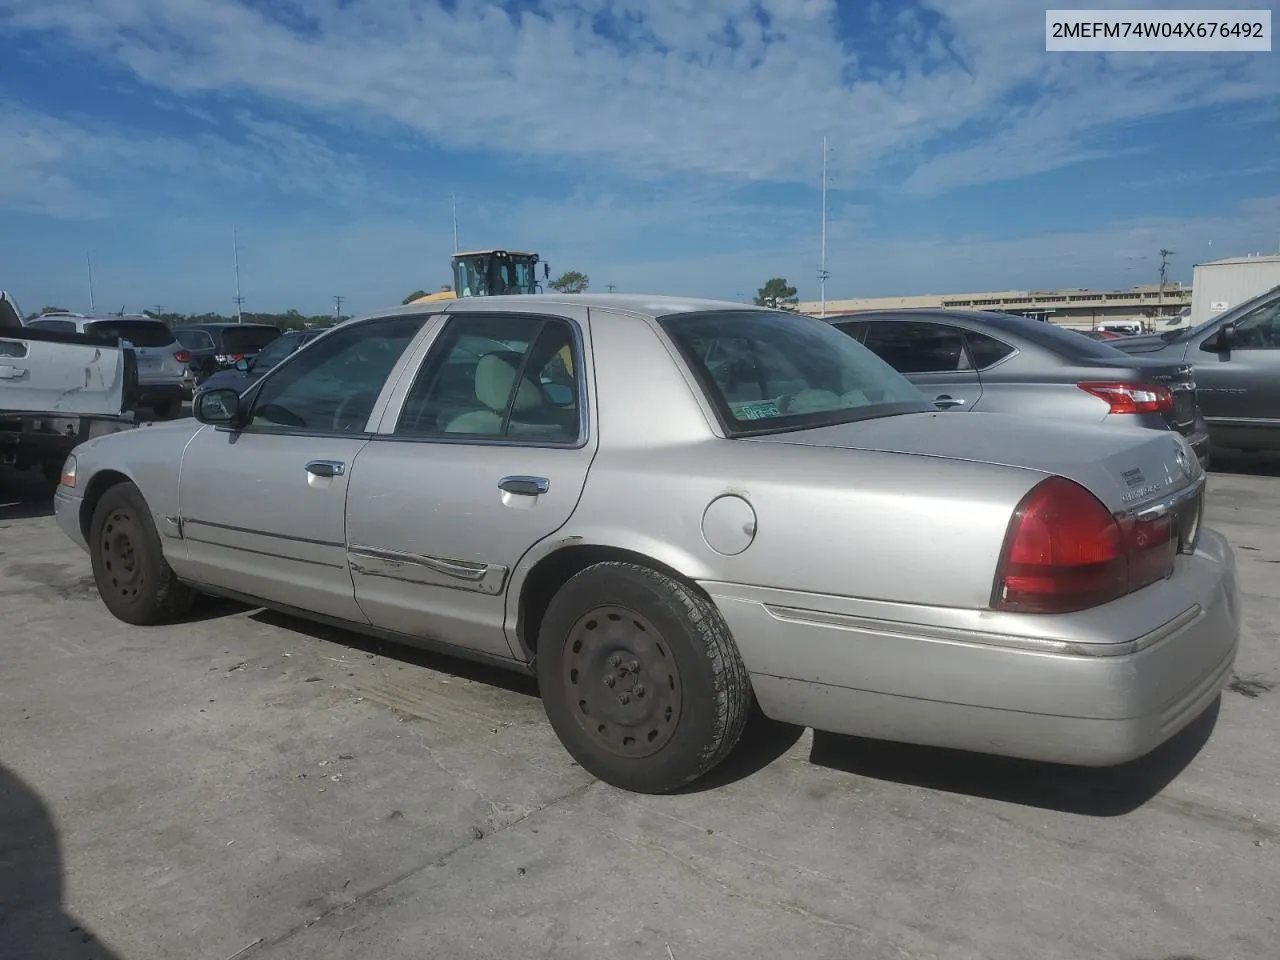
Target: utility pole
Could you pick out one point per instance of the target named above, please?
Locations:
(159, 310)
(453, 204)
(1164, 274)
(235, 249)
(88, 262)
(337, 309)
(611, 287)
(822, 266)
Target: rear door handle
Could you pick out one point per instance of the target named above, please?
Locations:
(326, 468)
(525, 486)
(944, 401)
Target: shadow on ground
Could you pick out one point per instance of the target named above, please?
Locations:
(1095, 792)
(1245, 464)
(24, 495)
(33, 923)
(509, 680)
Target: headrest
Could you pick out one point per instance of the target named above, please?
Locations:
(495, 373)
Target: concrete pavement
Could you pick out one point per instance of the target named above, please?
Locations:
(247, 781)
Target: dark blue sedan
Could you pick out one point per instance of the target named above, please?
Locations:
(250, 370)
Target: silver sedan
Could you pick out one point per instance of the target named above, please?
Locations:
(667, 510)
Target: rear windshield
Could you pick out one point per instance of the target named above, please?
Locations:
(770, 372)
(194, 339)
(141, 333)
(1059, 340)
(247, 339)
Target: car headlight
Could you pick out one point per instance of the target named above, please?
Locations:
(68, 478)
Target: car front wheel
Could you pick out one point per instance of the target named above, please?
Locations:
(640, 677)
(129, 568)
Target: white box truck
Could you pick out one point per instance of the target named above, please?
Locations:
(1219, 285)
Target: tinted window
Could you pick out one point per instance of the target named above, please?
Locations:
(247, 339)
(333, 387)
(194, 339)
(275, 351)
(986, 350)
(911, 347)
(57, 326)
(769, 372)
(141, 333)
(497, 376)
(1050, 336)
(1259, 329)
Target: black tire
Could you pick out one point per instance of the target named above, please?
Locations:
(134, 580)
(620, 630)
(52, 471)
(165, 409)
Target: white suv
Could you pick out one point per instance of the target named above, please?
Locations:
(164, 379)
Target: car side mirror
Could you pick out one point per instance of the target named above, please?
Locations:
(1222, 341)
(242, 365)
(219, 407)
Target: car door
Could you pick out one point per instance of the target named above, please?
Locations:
(931, 355)
(262, 507)
(484, 455)
(1239, 383)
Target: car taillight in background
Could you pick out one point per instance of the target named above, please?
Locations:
(237, 357)
(183, 356)
(1065, 551)
(1131, 397)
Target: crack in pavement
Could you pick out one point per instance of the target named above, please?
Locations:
(437, 861)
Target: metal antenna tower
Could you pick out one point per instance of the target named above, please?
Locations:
(822, 266)
(235, 249)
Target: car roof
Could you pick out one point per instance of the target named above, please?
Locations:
(225, 326)
(641, 305)
(81, 318)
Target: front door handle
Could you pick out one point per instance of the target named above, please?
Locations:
(525, 486)
(326, 468)
(944, 401)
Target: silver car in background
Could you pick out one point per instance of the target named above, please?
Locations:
(668, 509)
(974, 360)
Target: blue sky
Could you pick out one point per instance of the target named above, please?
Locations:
(658, 145)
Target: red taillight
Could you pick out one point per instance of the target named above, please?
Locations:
(1064, 551)
(1131, 397)
(237, 357)
(182, 356)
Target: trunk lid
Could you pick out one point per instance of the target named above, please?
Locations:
(1125, 469)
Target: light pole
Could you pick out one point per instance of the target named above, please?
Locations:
(337, 309)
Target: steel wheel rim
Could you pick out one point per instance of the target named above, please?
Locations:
(120, 545)
(622, 682)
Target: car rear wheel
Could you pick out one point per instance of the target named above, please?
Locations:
(640, 678)
(129, 568)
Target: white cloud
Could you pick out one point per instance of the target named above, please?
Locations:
(51, 166)
(687, 86)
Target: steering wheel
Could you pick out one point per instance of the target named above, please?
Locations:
(348, 415)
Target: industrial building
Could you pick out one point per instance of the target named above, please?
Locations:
(1073, 307)
(1222, 284)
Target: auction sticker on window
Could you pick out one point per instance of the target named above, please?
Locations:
(1187, 31)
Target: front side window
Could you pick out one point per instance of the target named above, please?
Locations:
(497, 377)
(1259, 329)
(766, 372)
(333, 388)
(275, 351)
(912, 347)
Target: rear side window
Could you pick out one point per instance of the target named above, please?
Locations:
(249, 340)
(54, 326)
(986, 350)
(194, 339)
(497, 377)
(141, 333)
(911, 347)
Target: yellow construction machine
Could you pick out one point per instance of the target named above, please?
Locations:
(491, 273)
